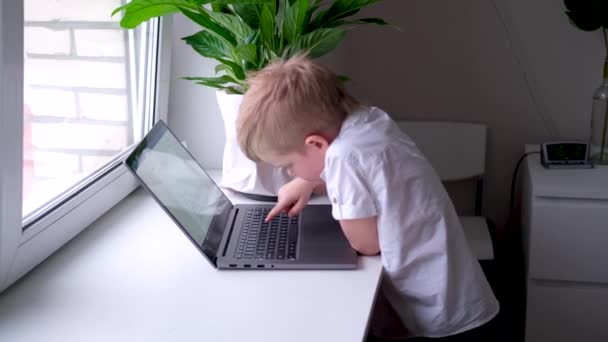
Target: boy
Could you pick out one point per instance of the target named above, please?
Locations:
(297, 115)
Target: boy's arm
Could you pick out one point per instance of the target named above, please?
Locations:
(294, 196)
(362, 234)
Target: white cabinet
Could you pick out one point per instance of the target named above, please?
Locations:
(565, 236)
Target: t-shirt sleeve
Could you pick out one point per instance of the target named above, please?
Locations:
(348, 187)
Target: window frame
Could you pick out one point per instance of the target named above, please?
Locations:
(24, 246)
(11, 144)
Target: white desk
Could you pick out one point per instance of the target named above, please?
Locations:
(133, 276)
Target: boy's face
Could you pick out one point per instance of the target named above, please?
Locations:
(308, 163)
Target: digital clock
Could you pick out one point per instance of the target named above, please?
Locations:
(565, 154)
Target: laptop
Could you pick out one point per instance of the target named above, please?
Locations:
(234, 236)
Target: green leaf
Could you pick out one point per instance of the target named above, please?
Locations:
(262, 54)
(302, 17)
(249, 14)
(202, 18)
(247, 53)
(317, 43)
(289, 26)
(326, 22)
(338, 10)
(218, 80)
(280, 17)
(377, 21)
(237, 70)
(228, 89)
(233, 24)
(233, 90)
(343, 78)
(208, 45)
(272, 6)
(120, 8)
(315, 6)
(267, 27)
(220, 8)
(363, 21)
(200, 2)
(222, 67)
(253, 38)
(239, 2)
(224, 82)
(138, 11)
(296, 20)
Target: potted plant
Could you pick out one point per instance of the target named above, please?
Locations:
(244, 36)
(591, 15)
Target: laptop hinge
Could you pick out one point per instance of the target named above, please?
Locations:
(226, 238)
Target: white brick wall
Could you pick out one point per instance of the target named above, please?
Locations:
(100, 43)
(78, 136)
(94, 162)
(72, 73)
(62, 10)
(103, 106)
(52, 164)
(46, 41)
(48, 102)
(90, 54)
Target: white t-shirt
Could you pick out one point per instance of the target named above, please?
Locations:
(431, 278)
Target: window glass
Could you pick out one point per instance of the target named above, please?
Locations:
(82, 75)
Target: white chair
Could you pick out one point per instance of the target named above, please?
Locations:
(457, 152)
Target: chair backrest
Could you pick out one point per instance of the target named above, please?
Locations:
(456, 150)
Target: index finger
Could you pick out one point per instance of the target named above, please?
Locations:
(275, 211)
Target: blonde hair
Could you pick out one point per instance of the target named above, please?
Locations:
(287, 101)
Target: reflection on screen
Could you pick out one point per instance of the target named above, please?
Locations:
(182, 186)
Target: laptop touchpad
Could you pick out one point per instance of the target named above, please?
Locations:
(321, 235)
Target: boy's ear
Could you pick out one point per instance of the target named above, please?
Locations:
(317, 141)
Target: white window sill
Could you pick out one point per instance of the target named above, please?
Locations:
(133, 276)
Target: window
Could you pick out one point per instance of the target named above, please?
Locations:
(77, 92)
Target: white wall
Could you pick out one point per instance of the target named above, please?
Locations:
(193, 112)
(520, 67)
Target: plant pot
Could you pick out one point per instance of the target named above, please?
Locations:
(238, 172)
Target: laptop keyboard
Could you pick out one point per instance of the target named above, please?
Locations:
(276, 239)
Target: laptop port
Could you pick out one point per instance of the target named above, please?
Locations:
(247, 265)
(232, 265)
(260, 266)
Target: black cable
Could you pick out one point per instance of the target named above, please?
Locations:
(514, 179)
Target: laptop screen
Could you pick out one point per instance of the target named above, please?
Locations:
(182, 187)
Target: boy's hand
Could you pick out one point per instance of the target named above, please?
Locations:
(293, 197)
